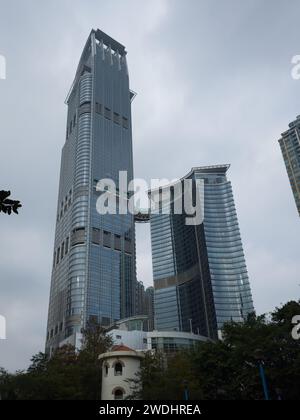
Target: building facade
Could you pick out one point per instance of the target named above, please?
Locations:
(290, 147)
(94, 272)
(168, 342)
(149, 307)
(145, 304)
(200, 274)
(140, 298)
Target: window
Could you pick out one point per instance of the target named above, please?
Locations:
(118, 242)
(96, 236)
(106, 367)
(106, 239)
(116, 118)
(70, 198)
(78, 236)
(98, 108)
(128, 247)
(67, 246)
(57, 256)
(107, 113)
(118, 337)
(118, 369)
(119, 394)
(85, 108)
(125, 122)
(62, 250)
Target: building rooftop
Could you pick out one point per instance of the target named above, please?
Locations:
(121, 348)
(212, 169)
(109, 42)
(101, 38)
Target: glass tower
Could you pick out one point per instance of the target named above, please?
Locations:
(290, 147)
(94, 271)
(200, 274)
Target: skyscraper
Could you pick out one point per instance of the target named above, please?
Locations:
(94, 272)
(149, 305)
(145, 304)
(140, 298)
(200, 274)
(290, 147)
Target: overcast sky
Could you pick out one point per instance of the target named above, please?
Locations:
(214, 86)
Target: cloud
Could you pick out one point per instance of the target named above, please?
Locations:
(214, 86)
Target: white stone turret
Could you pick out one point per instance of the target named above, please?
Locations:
(119, 365)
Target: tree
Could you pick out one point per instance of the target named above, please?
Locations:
(6, 385)
(232, 366)
(227, 369)
(67, 375)
(94, 343)
(149, 382)
(7, 205)
(165, 377)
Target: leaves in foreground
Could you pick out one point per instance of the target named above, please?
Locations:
(8, 206)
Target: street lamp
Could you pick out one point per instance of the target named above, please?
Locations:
(186, 390)
(259, 358)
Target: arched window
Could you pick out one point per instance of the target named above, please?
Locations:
(118, 369)
(106, 367)
(119, 394)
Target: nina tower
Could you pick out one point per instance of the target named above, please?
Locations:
(94, 272)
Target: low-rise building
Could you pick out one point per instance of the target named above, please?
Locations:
(120, 365)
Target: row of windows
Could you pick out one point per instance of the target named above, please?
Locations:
(118, 368)
(218, 180)
(102, 110)
(64, 205)
(61, 252)
(54, 331)
(71, 126)
(110, 240)
(111, 115)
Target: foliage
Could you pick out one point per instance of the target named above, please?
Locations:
(7, 205)
(227, 369)
(67, 375)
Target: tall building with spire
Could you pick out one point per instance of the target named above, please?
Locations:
(94, 270)
(290, 147)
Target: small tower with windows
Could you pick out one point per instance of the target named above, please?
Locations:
(120, 364)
